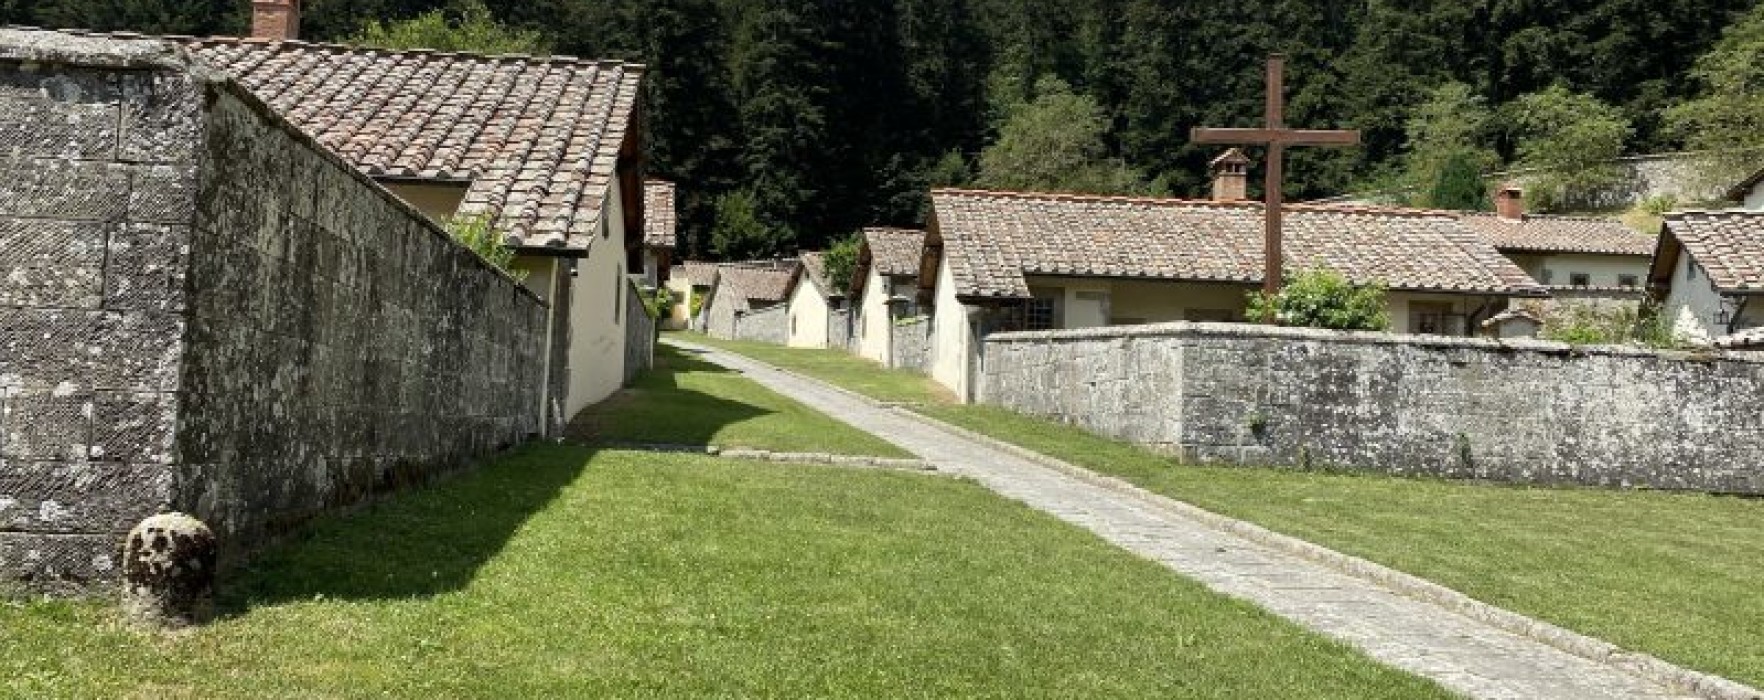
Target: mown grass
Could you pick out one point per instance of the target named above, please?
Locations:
(836, 367)
(1674, 575)
(687, 401)
(566, 572)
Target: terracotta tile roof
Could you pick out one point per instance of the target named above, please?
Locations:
(658, 214)
(1750, 339)
(698, 274)
(1728, 245)
(754, 287)
(1561, 234)
(993, 239)
(813, 268)
(895, 251)
(538, 138)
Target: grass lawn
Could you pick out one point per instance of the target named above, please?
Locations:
(566, 572)
(687, 401)
(1674, 575)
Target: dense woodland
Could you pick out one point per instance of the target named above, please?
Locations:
(790, 123)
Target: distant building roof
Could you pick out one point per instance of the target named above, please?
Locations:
(1561, 234)
(1727, 245)
(814, 270)
(752, 287)
(993, 240)
(538, 138)
(697, 274)
(658, 214)
(893, 252)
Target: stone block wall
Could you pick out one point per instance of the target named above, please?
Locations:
(98, 179)
(202, 310)
(1511, 411)
(768, 325)
(640, 334)
(839, 323)
(911, 343)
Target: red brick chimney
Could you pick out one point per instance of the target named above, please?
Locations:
(275, 20)
(1230, 176)
(1510, 203)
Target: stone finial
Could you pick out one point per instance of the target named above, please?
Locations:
(168, 572)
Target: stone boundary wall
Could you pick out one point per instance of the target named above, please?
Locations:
(1687, 177)
(839, 329)
(203, 310)
(768, 325)
(911, 341)
(1516, 411)
(640, 333)
(99, 166)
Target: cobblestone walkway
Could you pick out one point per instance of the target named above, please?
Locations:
(1462, 654)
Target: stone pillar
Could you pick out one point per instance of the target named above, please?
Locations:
(168, 572)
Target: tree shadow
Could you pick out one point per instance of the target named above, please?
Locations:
(657, 410)
(420, 543)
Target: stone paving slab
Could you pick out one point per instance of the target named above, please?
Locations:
(1460, 653)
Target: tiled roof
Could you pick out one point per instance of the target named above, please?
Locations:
(993, 239)
(538, 138)
(658, 214)
(895, 251)
(1561, 234)
(1728, 245)
(813, 269)
(754, 287)
(698, 274)
(1750, 339)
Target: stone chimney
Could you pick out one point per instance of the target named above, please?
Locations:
(1509, 203)
(276, 20)
(1230, 176)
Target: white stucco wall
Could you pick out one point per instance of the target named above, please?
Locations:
(1755, 198)
(1131, 302)
(1601, 270)
(681, 289)
(874, 325)
(808, 316)
(1693, 304)
(952, 339)
(597, 314)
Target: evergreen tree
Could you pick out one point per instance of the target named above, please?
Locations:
(1727, 115)
(1055, 143)
(1447, 139)
(1572, 138)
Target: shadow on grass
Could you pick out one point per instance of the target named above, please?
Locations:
(422, 543)
(658, 409)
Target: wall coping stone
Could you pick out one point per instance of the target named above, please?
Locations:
(141, 52)
(1193, 329)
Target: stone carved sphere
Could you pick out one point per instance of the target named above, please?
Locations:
(168, 571)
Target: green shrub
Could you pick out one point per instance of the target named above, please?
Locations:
(1588, 324)
(476, 232)
(1322, 298)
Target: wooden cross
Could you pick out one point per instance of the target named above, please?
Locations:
(1276, 137)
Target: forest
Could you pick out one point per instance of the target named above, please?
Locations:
(791, 123)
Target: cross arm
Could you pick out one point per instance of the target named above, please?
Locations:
(1294, 137)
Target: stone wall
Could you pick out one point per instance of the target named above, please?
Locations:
(1688, 178)
(202, 310)
(839, 326)
(911, 342)
(94, 215)
(768, 325)
(640, 334)
(1511, 411)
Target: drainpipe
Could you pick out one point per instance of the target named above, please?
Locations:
(550, 349)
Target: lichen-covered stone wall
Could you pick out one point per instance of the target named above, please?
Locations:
(911, 340)
(202, 310)
(340, 345)
(768, 325)
(640, 335)
(95, 200)
(839, 330)
(1512, 411)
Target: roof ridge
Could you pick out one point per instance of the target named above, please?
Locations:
(428, 52)
(1197, 203)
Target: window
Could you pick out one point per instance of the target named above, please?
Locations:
(1209, 315)
(1038, 315)
(1628, 281)
(618, 290)
(1690, 270)
(1580, 279)
(1436, 318)
(793, 324)
(1548, 276)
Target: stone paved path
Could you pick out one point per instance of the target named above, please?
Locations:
(1459, 653)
